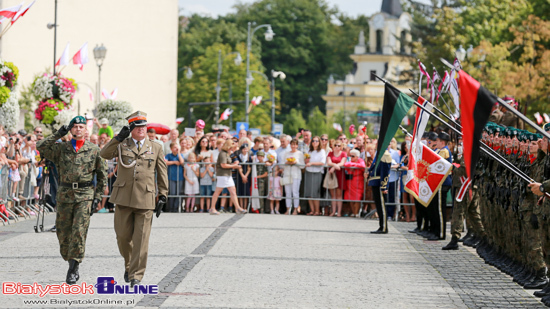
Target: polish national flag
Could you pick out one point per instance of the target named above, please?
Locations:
(114, 94)
(179, 120)
(91, 95)
(225, 114)
(337, 127)
(539, 118)
(256, 100)
(22, 12)
(11, 11)
(546, 117)
(81, 56)
(64, 59)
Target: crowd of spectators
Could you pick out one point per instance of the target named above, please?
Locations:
(266, 170)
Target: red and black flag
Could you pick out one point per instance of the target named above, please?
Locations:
(476, 104)
(396, 106)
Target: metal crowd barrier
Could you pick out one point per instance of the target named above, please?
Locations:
(18, 197)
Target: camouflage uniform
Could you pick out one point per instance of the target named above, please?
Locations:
(545, 217)
(529, 207)
(73, 205)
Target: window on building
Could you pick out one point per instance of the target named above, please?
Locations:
(403, 41)
(379, 41)
(372, 77)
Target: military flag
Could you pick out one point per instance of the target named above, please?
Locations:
(395, 108)
(426, 170)
(476, 104)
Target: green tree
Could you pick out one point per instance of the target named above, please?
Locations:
(317, 122)
(301, 48)
(202, 88)
(294, 122)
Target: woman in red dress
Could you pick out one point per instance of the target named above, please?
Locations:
(336, 159)
(355, 181)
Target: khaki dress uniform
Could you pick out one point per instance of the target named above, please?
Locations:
(134, 196)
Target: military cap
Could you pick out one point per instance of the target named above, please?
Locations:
(498, 130)
(444, 136)
(432, 136)
(532, 137)
(546, 127)
(78, 120)
(425, 135)
(260, 154)
(138, 118)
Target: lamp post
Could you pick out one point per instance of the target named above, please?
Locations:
(274, 75)
(99, 56)
(238, 60)
(333, 81)
(460, 53)
(268, 37)
(50, 26)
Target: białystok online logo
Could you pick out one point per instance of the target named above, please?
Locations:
(104, 285)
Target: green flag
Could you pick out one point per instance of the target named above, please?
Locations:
(396, 106)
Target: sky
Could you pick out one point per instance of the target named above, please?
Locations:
(215, 8)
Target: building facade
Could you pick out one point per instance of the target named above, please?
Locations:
(141, 37)
(386, 54)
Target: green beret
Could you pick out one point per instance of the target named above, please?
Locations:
(78, 120)
(546, 127)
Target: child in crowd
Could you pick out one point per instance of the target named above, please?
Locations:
(104, 127)
(175, 163)
(15, 177)
(206, 174)
(261, 172)
(191, 176)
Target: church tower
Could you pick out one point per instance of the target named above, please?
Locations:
(386, 53)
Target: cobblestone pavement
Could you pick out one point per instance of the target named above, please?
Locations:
(264, 261)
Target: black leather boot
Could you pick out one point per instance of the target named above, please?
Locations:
(72, 273)
(452, 245)
(469, 241)
(530, 276)
(468, 235)
(540, 280)
(545, 291)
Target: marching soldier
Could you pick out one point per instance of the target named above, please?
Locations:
(378, 180)
(77, 162)
(134, 192)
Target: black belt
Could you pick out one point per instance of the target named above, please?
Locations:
(76, 185)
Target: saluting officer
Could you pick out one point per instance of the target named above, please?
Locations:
(77, 161)
(134, 192)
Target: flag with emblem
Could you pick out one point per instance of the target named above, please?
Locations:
(427, 170)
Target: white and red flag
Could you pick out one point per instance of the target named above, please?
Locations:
(179, 120)
(538, 117)
(11, 11)
(337, 127)
(546, 117)
(22, 12)
(225, 114)
(81, 56)
(91, 95)
(109, 96)
(64, 59)
(427, 170)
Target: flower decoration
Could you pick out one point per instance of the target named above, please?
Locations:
(54, 93)
(352, 129)
(290, 160)
(271, 158)
(8, 79)
(307, 156)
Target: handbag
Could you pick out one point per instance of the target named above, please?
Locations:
(348, 174)
(330, 181)
(286, 180)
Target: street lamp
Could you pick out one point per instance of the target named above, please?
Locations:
(274, 75)
(268, 37)
(460, 53)
(331, 80)
(99, 56)
(238, 60)
(188, 72)
(54, 26)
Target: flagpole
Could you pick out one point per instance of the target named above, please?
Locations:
(527, 179)
(513, 110)
(487, 148)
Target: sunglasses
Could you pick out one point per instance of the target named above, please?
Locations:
(352, 143)
(337, 145)
(324, 139)
(353, 156)
(37, 132)
(315, 141)
(342, 139)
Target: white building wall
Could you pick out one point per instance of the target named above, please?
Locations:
(141, 38)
